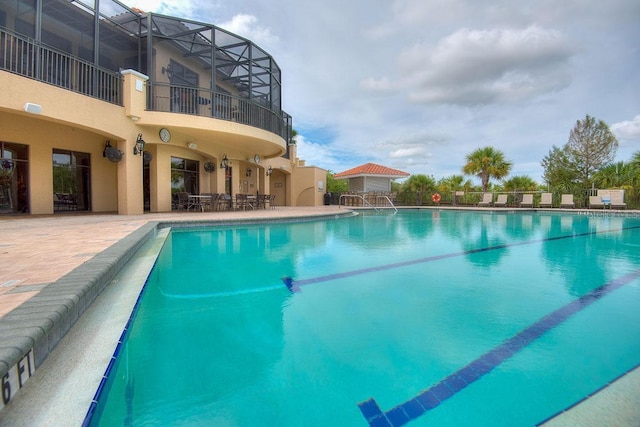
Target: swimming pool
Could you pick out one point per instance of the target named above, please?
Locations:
(424, 317)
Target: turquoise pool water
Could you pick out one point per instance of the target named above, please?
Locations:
(434, 318)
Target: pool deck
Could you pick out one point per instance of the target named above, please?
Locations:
(37, 251)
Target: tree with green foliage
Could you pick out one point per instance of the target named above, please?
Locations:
(591, 146)
(454, 183)
(487, 163)
(559, 171)
(336, 185)
(622, 175)
(614, 175)
(415, 188)
(520, 183)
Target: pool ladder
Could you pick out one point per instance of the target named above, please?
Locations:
(365, 202)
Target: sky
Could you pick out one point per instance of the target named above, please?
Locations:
(417, 85)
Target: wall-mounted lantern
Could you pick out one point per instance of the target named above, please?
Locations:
(138, 147)
(224, 164)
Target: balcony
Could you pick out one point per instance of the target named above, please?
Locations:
(163, 97)
(28, 58)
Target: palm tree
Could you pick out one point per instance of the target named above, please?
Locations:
(487, 163)
(416, 187)
(614, 175)
(520, 183)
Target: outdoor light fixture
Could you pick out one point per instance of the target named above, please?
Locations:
(224, 164)
(138, 147)
(32, 108)
(248, 172)
(269, 171)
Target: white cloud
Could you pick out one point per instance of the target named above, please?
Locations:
(410, 152)
(179, 8)
(246, 26)
(471, 67)
(628, 129)
(377, 85)
(320, 155)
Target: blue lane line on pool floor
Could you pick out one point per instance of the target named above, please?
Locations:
(294, 285)
(448, 387)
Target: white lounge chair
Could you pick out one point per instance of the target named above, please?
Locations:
(501, 201)
(487, 199)
(617, 200)
(527, 201)
(546, 200)
(567, 201)
(595, 202)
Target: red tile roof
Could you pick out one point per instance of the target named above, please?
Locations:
(371, 169)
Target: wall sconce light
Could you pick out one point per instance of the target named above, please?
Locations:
(269, 171)
(138, 147)
(32, 108)
(224, 164)
(248, 172)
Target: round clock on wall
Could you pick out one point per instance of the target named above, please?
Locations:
(165, 135)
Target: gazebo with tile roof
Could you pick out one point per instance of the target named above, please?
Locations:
(370, 177)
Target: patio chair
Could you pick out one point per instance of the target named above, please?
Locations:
(272, 201)
(527, 201)
(567, 201)
(182, 202)
(501, 201)
(617, 200)
(224, 202)
(546, 200)
(206, 202)
(487, 199)
(595, 202)
(262, 201)
(241, 201)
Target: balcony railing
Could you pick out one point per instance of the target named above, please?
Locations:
(29, 58)
(209, 103)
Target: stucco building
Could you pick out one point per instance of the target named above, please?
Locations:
(370, 177)
(109, 109)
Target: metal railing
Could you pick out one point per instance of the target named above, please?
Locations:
(372, 200)
(165, 97)
(29, 58)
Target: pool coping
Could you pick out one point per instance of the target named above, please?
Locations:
(30, 332)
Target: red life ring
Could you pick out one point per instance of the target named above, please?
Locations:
(435, 198)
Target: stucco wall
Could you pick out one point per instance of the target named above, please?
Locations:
(310, 186)
(42, 137)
